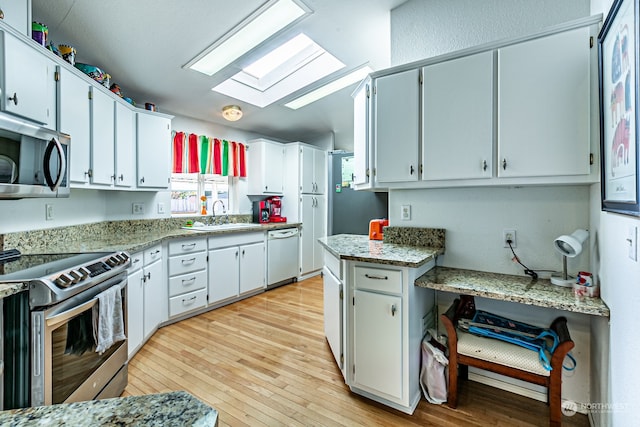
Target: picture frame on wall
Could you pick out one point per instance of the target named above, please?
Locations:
(618, 84)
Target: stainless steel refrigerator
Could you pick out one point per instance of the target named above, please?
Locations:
(349, 210)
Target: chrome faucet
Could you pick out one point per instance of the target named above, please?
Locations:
(213, 211)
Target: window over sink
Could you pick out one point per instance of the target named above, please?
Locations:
(187, 188)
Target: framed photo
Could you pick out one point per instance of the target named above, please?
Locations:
(618, 83)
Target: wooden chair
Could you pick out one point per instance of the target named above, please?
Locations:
(466, 350)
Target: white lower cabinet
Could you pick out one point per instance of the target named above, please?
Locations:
(384, 319)
(155, 290)
(187, 275)
(135, 305)
(236, 266)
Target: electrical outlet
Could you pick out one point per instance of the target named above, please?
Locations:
(160, 208)
(509, 235)
(405, 212)
(48, 212)
(138, 208)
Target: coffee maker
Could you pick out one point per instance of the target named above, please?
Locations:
(261, 211)
(275, 205)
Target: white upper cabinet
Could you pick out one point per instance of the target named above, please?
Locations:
(17, 15)
(102, 137)
(396, 127)
(361, 135)
(544, 106)
(153, 150)
(25, 75)
(125, 146)
(74, 119)
(265, 162)
(457, 118)
(313, 170)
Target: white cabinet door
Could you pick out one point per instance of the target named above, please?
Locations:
(24, 80)
(313, 164)
(154, 151)
(378, 343)
(17, 14)
(319, 230)
(396, 127)
(457, 117)
(252, 267)
(135, 311)
(274, 163)
(333, 314)
(125, 146)
(265, 160)
(102, 137)
(155, 297)
(74, 119)
(543, 106)
(307, 204)
(224, 273)
(320, 171)
(361, 136)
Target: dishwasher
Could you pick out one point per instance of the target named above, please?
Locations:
(282, 256)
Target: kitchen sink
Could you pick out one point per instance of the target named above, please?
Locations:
(220, 227)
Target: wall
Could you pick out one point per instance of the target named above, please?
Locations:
(422, 29)
(474, 218)
(617, 344)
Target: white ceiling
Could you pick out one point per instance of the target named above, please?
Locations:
(144, 45)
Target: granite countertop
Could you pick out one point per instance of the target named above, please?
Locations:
(521, 289)
(356, 247)
(8, 289)
(163, 410)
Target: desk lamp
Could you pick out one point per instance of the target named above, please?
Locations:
(568, 247)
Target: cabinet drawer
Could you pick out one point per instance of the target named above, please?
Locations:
(187, 263)
(187, 302)
(187, 282)
(235, 239)
(151, 254)
(179, 247)
(136, 262)
(378, 279)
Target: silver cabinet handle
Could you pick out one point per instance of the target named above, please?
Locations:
(504, 164)
(189, 246)
(121, 177)
(411, 170)
(484, 165)
(368, 276)
(142, 180)
(188, 261)
(186, 282)
(393, 310)
(14, 98)
(188, 301)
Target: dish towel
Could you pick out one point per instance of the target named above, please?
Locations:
(108, 323)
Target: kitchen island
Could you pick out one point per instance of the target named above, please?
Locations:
(177, 408)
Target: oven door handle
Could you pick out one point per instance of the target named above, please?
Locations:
(66, 315)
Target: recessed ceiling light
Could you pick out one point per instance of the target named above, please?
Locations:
(329, 88)
(264, 23)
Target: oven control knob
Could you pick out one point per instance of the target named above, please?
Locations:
(112, 261)
(64, 280)
(124, 257)
(119, 258)
(77, 276)
(85, 273)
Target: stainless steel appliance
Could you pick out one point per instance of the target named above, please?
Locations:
(349, 211)
(282, 256)
(33, 160)
(53, 349)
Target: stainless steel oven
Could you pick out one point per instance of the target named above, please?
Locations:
(62, 362)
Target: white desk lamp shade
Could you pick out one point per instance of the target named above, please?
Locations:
(568, 247)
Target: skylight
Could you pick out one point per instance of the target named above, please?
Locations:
(267, 21)
(289, 67)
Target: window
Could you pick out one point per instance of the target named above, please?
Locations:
(187, 188)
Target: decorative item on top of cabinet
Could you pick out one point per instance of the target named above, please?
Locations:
(153, 149)
(265, 164)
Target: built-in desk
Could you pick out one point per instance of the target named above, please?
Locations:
(505, 287)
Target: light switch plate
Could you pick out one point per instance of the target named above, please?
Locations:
(632, 240)
(405, 212)
(48, 212)
(160, 208)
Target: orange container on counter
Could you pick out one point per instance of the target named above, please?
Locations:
(375, 228)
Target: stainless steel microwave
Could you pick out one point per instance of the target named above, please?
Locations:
(33, 160)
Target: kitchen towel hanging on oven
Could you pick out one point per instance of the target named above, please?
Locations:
(108, 319)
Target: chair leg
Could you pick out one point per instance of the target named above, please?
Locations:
(555, 398)
(452, 396)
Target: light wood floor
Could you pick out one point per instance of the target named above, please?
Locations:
(265, 361)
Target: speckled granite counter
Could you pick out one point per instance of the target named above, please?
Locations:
(130, 236)
(355, 247)
(521, 289)
(8, 289)
(164, 410)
